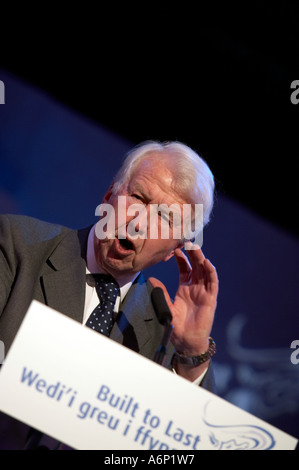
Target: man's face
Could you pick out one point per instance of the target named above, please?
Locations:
(150, 184)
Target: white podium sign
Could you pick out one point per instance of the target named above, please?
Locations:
(91, 393)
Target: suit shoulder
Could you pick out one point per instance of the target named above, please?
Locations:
(29, 229)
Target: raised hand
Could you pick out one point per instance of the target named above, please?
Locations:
(194, 304)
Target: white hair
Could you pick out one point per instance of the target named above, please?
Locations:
(192, 177)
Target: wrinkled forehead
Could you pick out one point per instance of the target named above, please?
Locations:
(156, 185)
(160, 169)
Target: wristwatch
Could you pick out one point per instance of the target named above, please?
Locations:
(197, 360)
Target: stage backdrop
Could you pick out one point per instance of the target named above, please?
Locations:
(56, 165)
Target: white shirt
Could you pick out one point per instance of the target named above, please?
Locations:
(91, 296)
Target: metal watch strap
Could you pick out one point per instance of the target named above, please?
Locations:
(197, 360)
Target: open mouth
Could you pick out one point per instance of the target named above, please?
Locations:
(126, 244)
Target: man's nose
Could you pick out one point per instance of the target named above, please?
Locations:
(137, 221)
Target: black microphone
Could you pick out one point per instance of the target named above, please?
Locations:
(160, 305)
(164, 317)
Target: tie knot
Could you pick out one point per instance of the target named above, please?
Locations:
(107, 288)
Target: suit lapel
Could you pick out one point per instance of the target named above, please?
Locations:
(136, 325)
(64, 277)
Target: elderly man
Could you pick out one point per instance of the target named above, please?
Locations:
(64, 268)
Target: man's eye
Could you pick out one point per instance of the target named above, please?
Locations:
(136, 196)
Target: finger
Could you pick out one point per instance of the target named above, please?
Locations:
(197, 259)
(196, 254)
(184, 266)
(211, 277)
